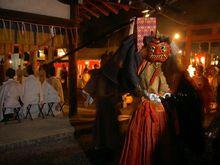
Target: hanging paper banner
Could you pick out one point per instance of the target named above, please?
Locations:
(71, 33)
(23, 29)
(66, 37)
(5, 39)
(52, 31)
(20, 39)
(31, 36)
(61, 38)
(43, 35)
(146, 26)
(10, 32)
(27, 34)
(37, 37)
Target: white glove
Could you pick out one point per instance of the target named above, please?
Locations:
(167, 95)
(154, 97)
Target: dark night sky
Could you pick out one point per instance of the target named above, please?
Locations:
(189, 12)
(199, 11)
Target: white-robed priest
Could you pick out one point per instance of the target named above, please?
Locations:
(10, 95)
(32, 92)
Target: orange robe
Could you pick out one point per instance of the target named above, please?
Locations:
(148, 122)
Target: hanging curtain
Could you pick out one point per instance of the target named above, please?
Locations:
(32, 37)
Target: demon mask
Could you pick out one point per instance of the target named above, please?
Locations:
(158, 49)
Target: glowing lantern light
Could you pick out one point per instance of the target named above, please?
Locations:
(145, 11)
(176, 36)
(41, 54)
(191, 70)
(60, 52)
(202, 59)
(87, 62)
(180, 51)
(147, 15)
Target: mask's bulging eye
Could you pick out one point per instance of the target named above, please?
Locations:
(163, 48)
(152, 48)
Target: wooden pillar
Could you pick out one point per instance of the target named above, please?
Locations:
(73, 43)
(50, 53)
(186, 57)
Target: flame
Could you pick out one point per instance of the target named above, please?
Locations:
(191, 70)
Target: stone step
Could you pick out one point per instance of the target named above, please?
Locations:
(84, 130)
(65, 151)
(36, 142)
(36, 132)
(78, 120)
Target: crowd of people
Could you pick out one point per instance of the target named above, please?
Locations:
(207, 82)
(25, 90)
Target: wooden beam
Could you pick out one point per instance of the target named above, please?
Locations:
(98, 38)
(110, 7)
(98, 8)
(203, 26)
(36, 18)
(121, 6)
(89, 11)
(85, 15)
(200, 38)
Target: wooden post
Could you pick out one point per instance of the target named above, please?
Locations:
(186, 57)
(73, 43)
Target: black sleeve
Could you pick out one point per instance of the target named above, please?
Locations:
(122, 69)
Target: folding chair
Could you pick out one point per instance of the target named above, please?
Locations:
(50, 109)
(28, 112)
(61, 105)
(40, 108)
(16, 112)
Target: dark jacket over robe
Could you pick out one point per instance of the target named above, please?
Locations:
(117, 76)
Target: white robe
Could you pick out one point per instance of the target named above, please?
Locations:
(10, 92)
(32, 94)
(49, 95)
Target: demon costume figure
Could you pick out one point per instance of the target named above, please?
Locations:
(149, 138)
(127, 72)
(148, 122)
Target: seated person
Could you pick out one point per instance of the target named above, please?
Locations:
(10, 95)
(55, 83)
(85, 78)
(54, 89)
(32, 92)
